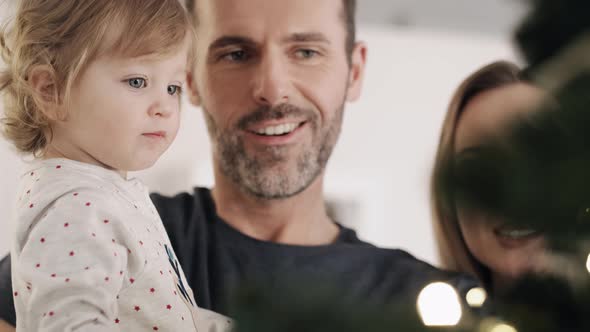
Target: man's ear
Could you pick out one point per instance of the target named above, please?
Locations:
(358, 61)
(193, 92)
(43, 83)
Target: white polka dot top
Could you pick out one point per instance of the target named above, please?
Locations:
(91, 254)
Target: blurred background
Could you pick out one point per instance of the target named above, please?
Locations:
(378, 178)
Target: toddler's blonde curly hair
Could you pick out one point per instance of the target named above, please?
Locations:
(63, 37)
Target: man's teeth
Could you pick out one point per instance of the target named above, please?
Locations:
(277, 130)
(518, 233)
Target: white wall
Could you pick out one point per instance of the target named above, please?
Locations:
(9, 165)
(387, 145)
(497, 17)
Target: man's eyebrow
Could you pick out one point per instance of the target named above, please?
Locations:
(225, 41)
(307, 37)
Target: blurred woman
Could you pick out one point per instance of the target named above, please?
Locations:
(471, 241)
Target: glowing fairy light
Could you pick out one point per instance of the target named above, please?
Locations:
(439, 305)
(503, 328)
(476, 297)
(588, 264)
(495, 325)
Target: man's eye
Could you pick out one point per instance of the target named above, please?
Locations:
(137, 82)
(306, 54)
(174, 90)
(236, 56)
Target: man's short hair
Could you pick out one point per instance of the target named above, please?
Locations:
(349, 14)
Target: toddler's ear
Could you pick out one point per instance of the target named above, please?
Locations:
(193, 92)
(42, 81)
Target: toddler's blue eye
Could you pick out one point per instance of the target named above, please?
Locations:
(173, 89)
(137, 82)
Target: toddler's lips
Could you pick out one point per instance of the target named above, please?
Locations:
(155, 134)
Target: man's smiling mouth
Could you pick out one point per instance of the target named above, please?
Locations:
(278, 130)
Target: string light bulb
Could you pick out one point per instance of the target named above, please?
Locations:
(439, 305)
(476, 297)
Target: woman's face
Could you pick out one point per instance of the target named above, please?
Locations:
(507, 251)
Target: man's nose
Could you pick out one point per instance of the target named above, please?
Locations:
(271, 82)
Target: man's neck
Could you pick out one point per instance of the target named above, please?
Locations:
(298, 220)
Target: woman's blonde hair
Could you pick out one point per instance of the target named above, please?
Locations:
(453, 251)
(63, 37)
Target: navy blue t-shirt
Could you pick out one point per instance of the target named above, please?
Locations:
(217, 259)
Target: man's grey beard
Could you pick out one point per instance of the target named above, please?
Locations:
(267, 175)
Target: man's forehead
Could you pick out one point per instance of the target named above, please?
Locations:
(281, 16)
